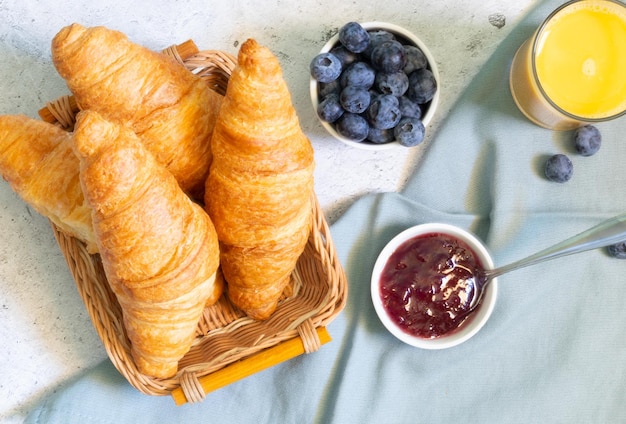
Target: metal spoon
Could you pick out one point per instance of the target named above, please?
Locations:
(607, 233)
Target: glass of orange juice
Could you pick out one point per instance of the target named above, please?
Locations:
(572, 70)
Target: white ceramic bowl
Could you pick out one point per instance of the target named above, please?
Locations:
(479, 316)
(409, 37)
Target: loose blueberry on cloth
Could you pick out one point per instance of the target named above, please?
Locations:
(559, 168)
(587, 140)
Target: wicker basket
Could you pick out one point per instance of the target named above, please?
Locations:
(228, 345)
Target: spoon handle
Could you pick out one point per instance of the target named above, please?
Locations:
(606, 233)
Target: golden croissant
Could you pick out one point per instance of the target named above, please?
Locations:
(260, 185)
(172, 110)
(159, 249)
(37, 160)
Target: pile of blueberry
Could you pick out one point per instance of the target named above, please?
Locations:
(587, 140)
(559, 168)
(374, 86)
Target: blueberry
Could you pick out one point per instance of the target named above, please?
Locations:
(380, 136)
(345, 56)
(354, 37)
(422, 86)
(388, 56)
(395, 84)
(359, 74)
(325, 67)
(377, 37)
(352, 126)
(409, 108)
(587, 140)
(354, 99)
(326, 88)
(384, 113)
(409, 132)
(330, 108)
(618, 250)
(559, 168)
(415, 59)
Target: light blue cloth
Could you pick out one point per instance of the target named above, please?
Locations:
(554, 351)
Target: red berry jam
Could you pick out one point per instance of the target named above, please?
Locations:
(426, 284)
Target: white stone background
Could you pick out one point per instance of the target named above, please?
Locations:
(46, 334)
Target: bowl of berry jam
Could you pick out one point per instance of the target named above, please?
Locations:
(375, 86)
(422, 286)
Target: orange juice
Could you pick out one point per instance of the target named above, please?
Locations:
(573, 70)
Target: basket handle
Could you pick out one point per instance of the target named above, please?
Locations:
(194, 389)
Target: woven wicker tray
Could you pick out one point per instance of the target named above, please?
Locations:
(228, 346)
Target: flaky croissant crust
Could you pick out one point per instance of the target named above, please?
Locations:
(159, 249)
(37, 160)
(172, 110)
(260, 185)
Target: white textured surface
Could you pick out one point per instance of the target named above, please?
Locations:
(45, 331)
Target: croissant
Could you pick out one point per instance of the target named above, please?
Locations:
(159, 249)
(37, 161)
(259, 189)
(172, 110)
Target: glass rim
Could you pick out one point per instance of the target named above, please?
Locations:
(536, 38)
